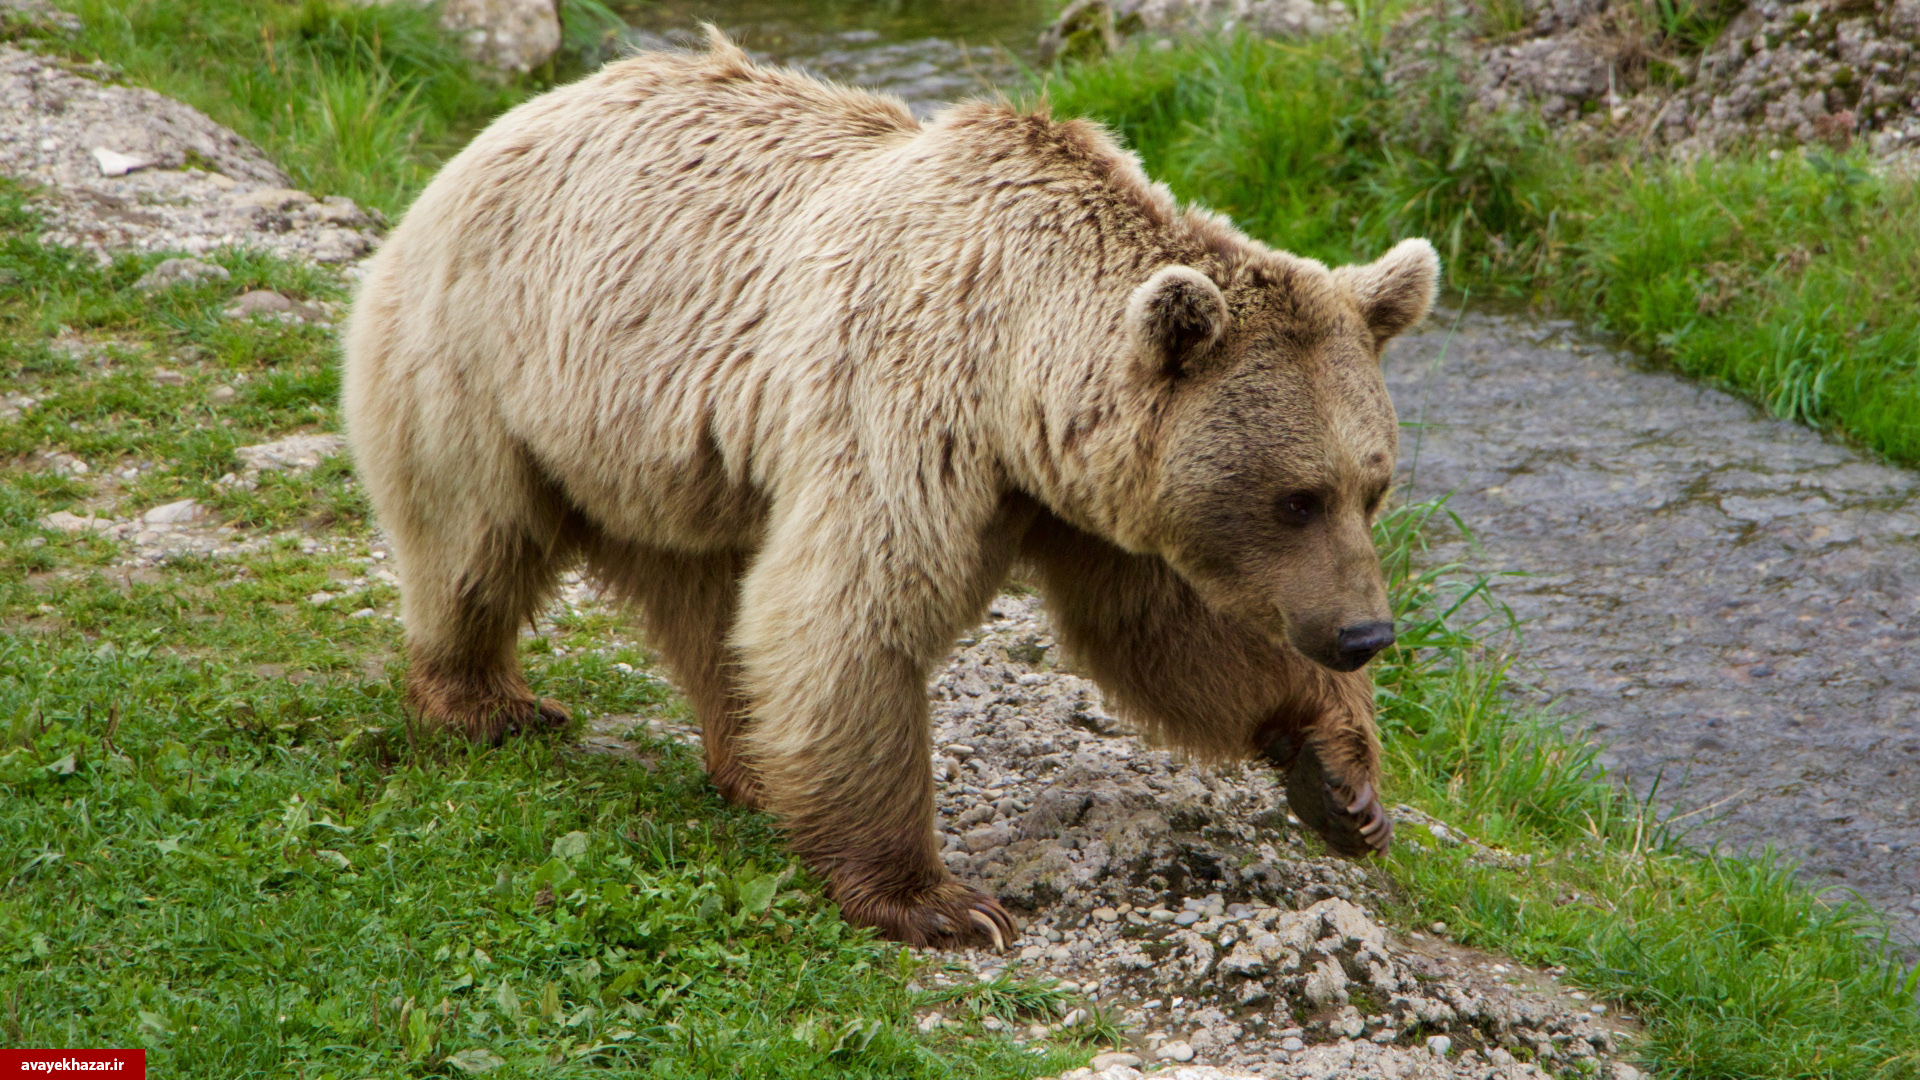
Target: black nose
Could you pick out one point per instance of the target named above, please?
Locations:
(1359, 642)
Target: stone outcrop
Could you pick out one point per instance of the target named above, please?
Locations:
(1821, 72)
(121, 168)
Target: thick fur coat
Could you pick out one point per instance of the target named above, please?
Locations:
(803, 379)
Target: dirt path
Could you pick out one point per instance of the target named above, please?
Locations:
(1727, 599)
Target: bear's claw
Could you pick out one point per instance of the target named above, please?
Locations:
(1352, 822)
(950, 915)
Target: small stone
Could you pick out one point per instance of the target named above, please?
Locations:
(64, 521)
(1175, 1051)
(363, 613)
(1114, 1059)
(1624, 1071)
(930, 1022)
(259, 302)
(1186, 918)
(1438, 1045)
(1106, 914)
(294, 453)
(176, 272)
(320, 597)
(114, 163)
(1597, 1009)
(163, 377)
(274, 199)
(222, 394)
(1037, 1031)
(1160, 915)
(1439, 929)
(175, 513)
(1293, 1044)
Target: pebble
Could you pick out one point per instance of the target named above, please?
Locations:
(175, 513)
(1175, 1051)
(177, 272)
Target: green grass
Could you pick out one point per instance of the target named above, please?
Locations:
(220, 839)
(1790, 281)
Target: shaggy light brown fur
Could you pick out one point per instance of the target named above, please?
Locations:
(803, 378)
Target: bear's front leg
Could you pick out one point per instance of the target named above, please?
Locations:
(1330, 755)
(836, 636)
(1204, 682)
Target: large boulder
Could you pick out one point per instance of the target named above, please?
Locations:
(507, 35)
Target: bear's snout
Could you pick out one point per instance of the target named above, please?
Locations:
(1355, 645)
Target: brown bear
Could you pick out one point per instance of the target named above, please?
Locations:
(803, 379)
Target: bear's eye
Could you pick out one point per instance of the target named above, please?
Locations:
(1374, 501)
(1299, 507)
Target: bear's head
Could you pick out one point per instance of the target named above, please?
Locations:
(1279, 440)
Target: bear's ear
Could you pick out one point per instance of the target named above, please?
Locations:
(1396, 290)
(1176, 317)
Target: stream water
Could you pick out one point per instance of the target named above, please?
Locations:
(927, 52)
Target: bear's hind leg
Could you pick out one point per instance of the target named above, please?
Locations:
(687, 605)
(467, 589)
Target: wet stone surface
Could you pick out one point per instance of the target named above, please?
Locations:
(1730, 601)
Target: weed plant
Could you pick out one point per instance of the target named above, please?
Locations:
(1789, 280)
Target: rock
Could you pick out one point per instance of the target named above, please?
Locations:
(175, 272)
(182, 197)
(295, 453)
(1089, 29)
(26, 17)
(114, 163)
(64, 521)
(1083, 31)
(272, 304)
(175, 513)
(507, 35)
(1175, 1051)
(274, 198)
(1117, 1058)
(259, 302)
(1438, 1045)
(1780, 73)
(222, 394)
(65, 464)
